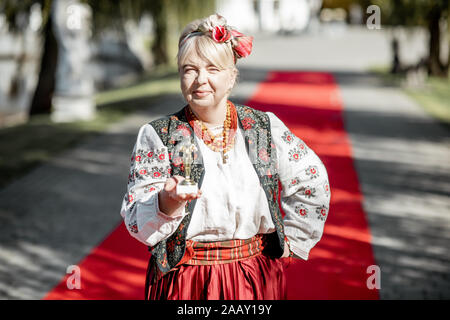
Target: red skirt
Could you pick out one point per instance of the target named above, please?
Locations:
(227, 270)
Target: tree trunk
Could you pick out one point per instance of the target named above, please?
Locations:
(435, 67)
(16, 80)
(396, 66)
(447, 67)
(159, 16)
(42, 98)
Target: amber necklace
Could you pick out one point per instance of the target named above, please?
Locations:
(212, 141)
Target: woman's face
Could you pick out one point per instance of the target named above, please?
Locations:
(204, 84)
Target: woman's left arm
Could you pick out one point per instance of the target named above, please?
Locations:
(305, 197)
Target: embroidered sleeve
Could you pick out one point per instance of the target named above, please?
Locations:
(305, 197)
(150, 168)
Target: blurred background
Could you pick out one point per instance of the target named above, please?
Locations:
(74, 70)
(57, 57)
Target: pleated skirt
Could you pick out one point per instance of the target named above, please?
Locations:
(258, 277)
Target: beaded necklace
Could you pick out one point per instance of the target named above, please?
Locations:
(211, 141)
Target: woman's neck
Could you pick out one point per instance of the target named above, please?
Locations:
(211, 116)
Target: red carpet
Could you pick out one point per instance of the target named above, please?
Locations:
(309, 104)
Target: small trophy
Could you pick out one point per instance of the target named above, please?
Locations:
(188, 185)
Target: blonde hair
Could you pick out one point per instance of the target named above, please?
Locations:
(218, 54)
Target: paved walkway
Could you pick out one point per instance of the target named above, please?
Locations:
(52, 217)
(402, 157)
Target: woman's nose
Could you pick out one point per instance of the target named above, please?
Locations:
(202, 76)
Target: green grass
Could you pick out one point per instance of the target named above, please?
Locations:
(158, 84)
(25, 146)
(433, 96)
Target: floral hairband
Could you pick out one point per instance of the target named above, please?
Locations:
(241, 44)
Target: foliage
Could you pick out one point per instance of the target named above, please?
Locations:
(410, 12)
(12, 9)
(169, 16)
(424, 13)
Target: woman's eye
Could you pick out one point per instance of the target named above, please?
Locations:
(189, 70)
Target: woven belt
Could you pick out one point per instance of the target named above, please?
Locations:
(220, 252)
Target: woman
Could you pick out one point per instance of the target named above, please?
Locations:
(226, 240)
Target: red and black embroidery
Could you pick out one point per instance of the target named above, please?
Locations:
(149, 172)
(130, 197)
(132, 226)
(263, 155)
(298, 153)
(312, 172)
(161, 155)
(146, 157)
(322, 213)
(140, 173)
(183, 129)
(150, 155)
(131, 177)
(326, 188)
(295, 155)
(151, 188)
(308, 192)
(178, 161)
(247, 123)
(158, 173)
(143, 172)
(142, 157)
(288, 137)
(164, 130)
(171, 246)
(301, 210)
(302, 146)
(295, 181)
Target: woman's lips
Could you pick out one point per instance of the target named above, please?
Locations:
(201, 93)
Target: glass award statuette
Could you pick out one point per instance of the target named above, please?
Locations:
(187, 185)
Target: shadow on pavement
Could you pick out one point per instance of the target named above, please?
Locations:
(53, 216)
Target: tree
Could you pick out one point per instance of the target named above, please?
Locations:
(12, 10)
(169, 16)
(424, 13)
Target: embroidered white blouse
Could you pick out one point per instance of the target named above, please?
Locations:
(233, 204)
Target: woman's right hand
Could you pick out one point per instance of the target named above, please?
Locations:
(171, 203)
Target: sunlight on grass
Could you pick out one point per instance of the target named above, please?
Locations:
(433, 96)
(149, 88)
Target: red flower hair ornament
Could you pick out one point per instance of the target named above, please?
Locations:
(243, 44)
(220, 32)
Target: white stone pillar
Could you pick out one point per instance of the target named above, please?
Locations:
(269, 18)
(73, 98)
(239, 14)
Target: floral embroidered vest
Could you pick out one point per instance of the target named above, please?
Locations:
(262, 152)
